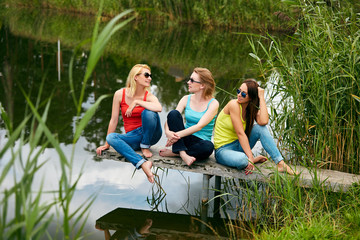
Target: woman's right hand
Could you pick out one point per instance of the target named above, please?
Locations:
(249, 168)
(101, 148)
(172, 138)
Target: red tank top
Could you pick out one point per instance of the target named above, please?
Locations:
(133, 122)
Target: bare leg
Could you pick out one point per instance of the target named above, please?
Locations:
(283, 167)
(167, 153)
(146, 152)
(146, 167)
(186, 158)
(260, 159)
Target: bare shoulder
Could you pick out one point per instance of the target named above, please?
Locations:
(184, 100)
(215, 102)
(233, 106)
(119, 92)
(151, 97)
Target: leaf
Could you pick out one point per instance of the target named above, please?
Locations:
(356, 97)
(86, 118)
(254, 56)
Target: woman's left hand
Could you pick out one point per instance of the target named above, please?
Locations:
(261, 92)
(130, 109)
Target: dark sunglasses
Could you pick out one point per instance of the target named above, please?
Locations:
(192, 80)
(243, 94)
(147, 75)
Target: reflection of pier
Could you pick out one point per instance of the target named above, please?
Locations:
(332, 180)
(140, 223)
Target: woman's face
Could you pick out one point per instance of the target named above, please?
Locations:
(242, 94)
(194, 83)
(143, 78)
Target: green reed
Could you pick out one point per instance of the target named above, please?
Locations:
(318, 118)
(31, 215)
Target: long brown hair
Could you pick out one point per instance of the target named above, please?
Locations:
(207, 79)
(253, 106)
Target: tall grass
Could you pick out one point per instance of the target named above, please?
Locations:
(317, 86)
(281, 209)
(31, 215)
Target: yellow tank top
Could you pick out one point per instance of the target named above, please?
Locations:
(224, 130)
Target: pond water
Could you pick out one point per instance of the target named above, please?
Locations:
(30, 41)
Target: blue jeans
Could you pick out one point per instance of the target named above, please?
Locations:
(194, 146)
(142, 137)
(233, 155)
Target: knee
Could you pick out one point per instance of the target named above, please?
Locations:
(173, 114)
(147, 114)
(208, 147)
(258, 129)
(110, 138)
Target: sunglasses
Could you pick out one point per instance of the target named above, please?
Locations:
(147, 75)
(192, 80)
(243, 94)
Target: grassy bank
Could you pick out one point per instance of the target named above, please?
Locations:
(270, 15)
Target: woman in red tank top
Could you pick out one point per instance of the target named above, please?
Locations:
(139, 109)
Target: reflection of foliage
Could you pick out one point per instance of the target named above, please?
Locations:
(255, 14)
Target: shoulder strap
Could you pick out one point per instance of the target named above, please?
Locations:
(123, 96)
(209, 103)
(188, 100)
(146, 93)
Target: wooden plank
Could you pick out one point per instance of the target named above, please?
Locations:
(333, 180)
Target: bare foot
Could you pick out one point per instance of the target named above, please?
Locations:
(146, 167)
(145, 229)
(146, 152)
(186, 158)
(167, 153)
(260, 159)
(283, 167)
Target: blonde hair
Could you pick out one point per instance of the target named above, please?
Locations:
(207, 79)
(130, 81)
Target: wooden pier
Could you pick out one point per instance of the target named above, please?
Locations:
(333, 180)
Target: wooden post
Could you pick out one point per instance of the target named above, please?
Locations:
(204, 200)
(216, 199)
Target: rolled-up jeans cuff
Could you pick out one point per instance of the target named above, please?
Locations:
(144, 145)
(138, 165)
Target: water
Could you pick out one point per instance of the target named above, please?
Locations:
(30, 42)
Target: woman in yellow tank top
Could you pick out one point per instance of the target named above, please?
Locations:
(236, 134)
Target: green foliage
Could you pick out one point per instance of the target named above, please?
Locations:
(317, 116)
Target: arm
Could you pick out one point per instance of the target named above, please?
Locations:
(114, 119)
(172, 136)
(235, 115)
(204, 120)
(262, 117)
(152, 103)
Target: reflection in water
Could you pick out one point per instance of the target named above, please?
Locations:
(122, 223)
